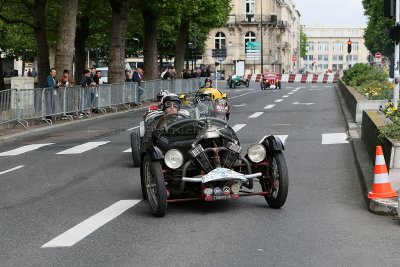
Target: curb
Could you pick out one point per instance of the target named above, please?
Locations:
(365, 169)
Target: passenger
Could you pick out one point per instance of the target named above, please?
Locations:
(208, 83)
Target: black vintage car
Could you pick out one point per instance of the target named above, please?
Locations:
(193, 156)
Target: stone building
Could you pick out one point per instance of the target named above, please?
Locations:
(273, 29)
(327, 49)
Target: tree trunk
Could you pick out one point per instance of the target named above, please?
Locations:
(119, 24)
(82, 33)
(2, 84)
(66, 36)
(181, 39)
(38, 13)
(150, 51)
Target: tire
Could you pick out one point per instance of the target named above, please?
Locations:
(247, 83)
(276, 181)
(135, 147)
(155, 186)
(233, 84)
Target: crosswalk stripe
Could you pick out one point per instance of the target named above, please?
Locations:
(85, 228)
(82, 148)
(269, 106)
(23, 149)
(255, 115)
(237, 127)
(334, 138)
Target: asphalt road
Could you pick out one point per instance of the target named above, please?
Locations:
(85, 209)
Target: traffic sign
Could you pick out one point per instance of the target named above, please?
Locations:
(221, 58)
(378, 55)
(219, 52)
(294, 58)
(253, 47)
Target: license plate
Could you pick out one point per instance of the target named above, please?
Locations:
(224, 197)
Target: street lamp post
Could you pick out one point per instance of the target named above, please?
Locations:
(307, 47)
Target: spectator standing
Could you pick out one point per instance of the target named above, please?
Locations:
(169, 75)
(66, 80)
(86, 82)
(137, 77)
(51, 79)
(34, 73)
(29, 74)
(51, 85)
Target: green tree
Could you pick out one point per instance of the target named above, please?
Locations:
(303, 43)
(375, 38)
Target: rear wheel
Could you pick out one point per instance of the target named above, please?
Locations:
(135, 147)
(276, 180)
(155, 186)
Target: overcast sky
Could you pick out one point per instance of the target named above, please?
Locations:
(331, 13)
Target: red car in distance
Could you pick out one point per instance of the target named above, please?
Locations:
(270, 80)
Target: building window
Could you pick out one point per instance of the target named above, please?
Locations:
(354, 46)
(323, 46)
(249, 7)
(325, 57)
(320, 57)
(337, 46)
(249, 37)
(334, 57)
(310, 46)
(219, 40)
(340, 58)
(325, 66)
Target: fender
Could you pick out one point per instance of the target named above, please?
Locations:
(273, 143)
(153, 151)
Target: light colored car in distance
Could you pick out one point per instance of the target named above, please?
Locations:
(104, 74)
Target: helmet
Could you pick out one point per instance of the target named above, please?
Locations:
(161, 94)
(207, 80)
(182, 97)
(170, 97)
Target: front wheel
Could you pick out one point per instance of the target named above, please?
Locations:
(135, 147)
(276, 180)
(155, 186)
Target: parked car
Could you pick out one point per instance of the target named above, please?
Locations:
(270, 80)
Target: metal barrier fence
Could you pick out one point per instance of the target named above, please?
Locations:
(21, 105)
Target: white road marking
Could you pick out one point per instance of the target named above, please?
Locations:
(327, 86)
(307, 104)
(237, 127)
(278, 100)
(291, 93)
(128, 150)
(280, 124)
(85, 228)
(12, 169)
(284, 96)
(130, 129)
(334, 138)
(255, 115)
(240, 105)
(243, 94)
(23, 149)
(82, 148)
(282, 137)
(269, 106)
(316, 89)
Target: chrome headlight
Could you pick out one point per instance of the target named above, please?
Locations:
(256, 153)
(173, 158)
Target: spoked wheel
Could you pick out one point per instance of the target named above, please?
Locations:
(155, 186)
(276, 182)
(135, 147)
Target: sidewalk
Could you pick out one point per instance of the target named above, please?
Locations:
(365, 169)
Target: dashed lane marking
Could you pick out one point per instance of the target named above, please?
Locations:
(334, 138)
(88, 226)
(130, 129)
(237, 127)
(256, 114)
(82, 148)
(12, 169)
(128, 150)
(23, 149)
(269, 106)
(278, 100)
(285, 96)
(242, 94)
(291, 93)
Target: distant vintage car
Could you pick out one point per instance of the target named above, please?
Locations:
(270, 80)
(236, 80)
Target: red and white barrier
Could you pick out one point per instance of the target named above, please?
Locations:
(300, 78)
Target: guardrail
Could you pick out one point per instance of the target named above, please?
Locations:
(20, 105)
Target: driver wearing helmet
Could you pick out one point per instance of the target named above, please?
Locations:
(207, 83)
(170, 104)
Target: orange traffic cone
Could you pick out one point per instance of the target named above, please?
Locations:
(381, 187)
